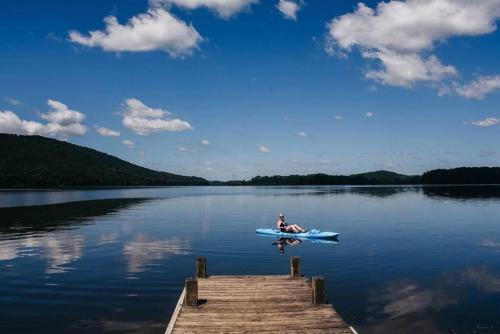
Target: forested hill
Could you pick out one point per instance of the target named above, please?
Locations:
(35, 162)
(371, 178)
(463, 175)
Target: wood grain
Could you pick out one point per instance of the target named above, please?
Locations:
(257, 304)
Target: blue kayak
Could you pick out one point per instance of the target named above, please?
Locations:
(312, 234)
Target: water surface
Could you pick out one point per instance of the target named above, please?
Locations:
(409, 259)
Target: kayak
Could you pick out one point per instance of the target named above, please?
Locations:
(312, 234)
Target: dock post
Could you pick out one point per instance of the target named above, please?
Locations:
(201, 267)
(295, 266)
(318, 290)
(191, 296)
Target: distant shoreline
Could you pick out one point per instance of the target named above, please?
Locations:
(258, 186)
(35, 162)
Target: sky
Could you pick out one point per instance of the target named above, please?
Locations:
(230, 89)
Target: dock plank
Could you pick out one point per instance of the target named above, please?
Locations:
(256, 304)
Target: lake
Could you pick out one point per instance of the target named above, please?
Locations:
(408, 259)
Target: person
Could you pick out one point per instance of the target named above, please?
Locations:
(284, 227)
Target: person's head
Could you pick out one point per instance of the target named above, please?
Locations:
(282, 216)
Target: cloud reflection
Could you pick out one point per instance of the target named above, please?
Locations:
(402, 298)
(144, 249)
(108, 238)
(58, 249)
(492, 244)
(483, 278)
(7, 253)
(62, 250)
(408, 307)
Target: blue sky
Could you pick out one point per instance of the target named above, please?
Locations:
(319, 86)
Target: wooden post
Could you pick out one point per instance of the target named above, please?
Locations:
(201, 267)
(318, 290)
(295, 266)
(191, 297)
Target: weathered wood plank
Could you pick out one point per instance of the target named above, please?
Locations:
(177, 309)
(258, 304)
(191, 296)
(295, 266)
(201, 267)
(318, 291)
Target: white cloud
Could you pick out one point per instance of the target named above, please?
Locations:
(400, 34)
(128, 143)
(407, 69)
(301, 134)
(264, 149)
(486, 153)
(223, 8)
(338, 118)
(61, 114)
(480, 87)
(14, 102)
(490, 121)
(155, 30)
(289, 8)
(144, 120)
(369, 114)
(205, 142)
(62, 121)
(182, 149)
(107, 132)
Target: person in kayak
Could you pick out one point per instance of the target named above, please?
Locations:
(284, 227)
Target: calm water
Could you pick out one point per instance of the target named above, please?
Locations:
(408, 259)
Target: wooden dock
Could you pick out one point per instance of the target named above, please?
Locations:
(255, 304)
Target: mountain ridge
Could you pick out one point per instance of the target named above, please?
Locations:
(36, 161)
(40, 162)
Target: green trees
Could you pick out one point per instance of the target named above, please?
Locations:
(375, 178)
(463, 175)
(37, 162)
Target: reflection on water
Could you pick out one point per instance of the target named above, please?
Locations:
(411, 260)
(408, 306)
(108, 238)
(113, 326)
(491, 244)
(283, 242)
(371, 191)
(483, 278)
(463, 193)
(59, 246)
(145, 249)
(50, 217)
